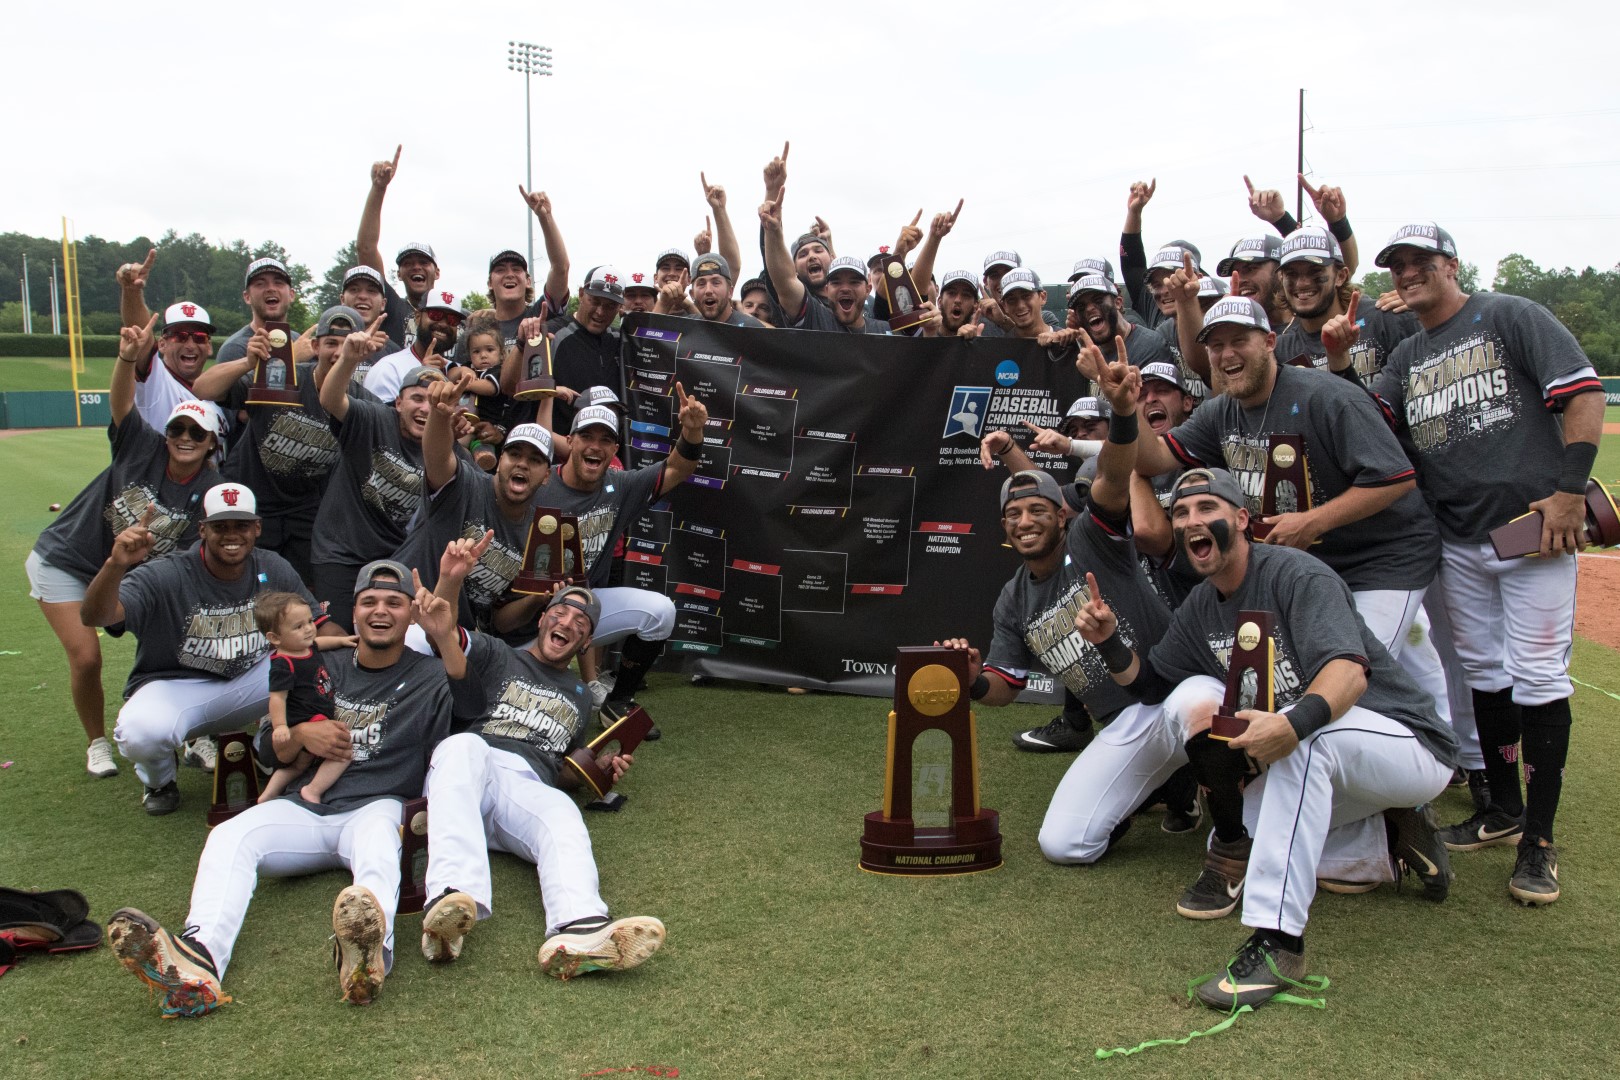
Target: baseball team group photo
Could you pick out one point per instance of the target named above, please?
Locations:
(1000, 574)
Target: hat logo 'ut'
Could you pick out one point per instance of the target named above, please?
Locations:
(188, 310)
(230, 495)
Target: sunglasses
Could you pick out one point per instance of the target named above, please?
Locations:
(178, 430)
(196, 337)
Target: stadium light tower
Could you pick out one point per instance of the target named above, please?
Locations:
(529, 59)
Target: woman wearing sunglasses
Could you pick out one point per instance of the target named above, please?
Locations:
(164, 472)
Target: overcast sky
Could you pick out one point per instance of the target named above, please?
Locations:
(260, 122)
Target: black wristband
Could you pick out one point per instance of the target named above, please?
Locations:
(1309, 713)
(1116, 655)
(691, 451)
(1122, 428)
(1577, 467)
(1285, 224)
(980, 687)
(1341, 229)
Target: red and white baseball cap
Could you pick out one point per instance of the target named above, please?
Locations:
(639, 279)
(440, 300)
(230, 502)
(186, 313)
(202, 413)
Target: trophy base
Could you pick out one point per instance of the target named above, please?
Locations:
(897, 847)
(220, 813)
(910, 320)
(628, 732)
(540, 584)
(1522, 536)
(1226, 728)
(233, 757)
(278, 398)
(412, 857)
(534, 390)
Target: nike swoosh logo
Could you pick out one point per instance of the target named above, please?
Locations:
(1234, 889)
(1431, 869)
(1487, 834)
(1229, 987)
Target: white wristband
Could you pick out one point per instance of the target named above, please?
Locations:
(1085, 449)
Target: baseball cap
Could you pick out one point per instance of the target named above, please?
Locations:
(1087, 267)
(440, 300)
(712, 264)
(384, 569)
(1241, 310)
(1014, 280)
(881, 254)
(1088, 408)
(416, 247)
(577, 596)
(809, 238)
(363, 273)
(204, 413)
(968, 277)
(606, 283)
(1094, 283)
(640, 280)
(1216, 482)
(509, 256)
(1163, 372)
(598, 395)
(752, 284)
(1030, 482)
(1311, 244)
(1210, 287)
(847, 262)
(1008, 259)
(672, 253)
(265, 266)
(341, 319)
(230, 502)
(1423, 235)
(533, 434)
(185, 313)
(595, 414)
(1169, 256)
(1261, 248)
(420, 375)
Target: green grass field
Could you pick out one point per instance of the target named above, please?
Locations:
(783, 959)
(53, 373)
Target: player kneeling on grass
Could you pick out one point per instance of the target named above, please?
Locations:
(1354, 740)
(502, 783)
(392, 705)
(300, 689)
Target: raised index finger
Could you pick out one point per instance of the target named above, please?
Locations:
(1306, 184)
(1248, 184)
(150, 323)
(151, 253)
(1355, 303)
(1091, 587)
(958, 210)
(397, 149)
(784, 151)
(918, 217)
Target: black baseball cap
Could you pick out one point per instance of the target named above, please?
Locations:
(509, 256)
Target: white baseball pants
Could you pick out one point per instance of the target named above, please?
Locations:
(1513, 621)
(1397, 619)
(1119, 768)
(625, 612)
(164, 713)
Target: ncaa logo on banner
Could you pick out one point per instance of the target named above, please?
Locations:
(969, 406)
(1007, 373)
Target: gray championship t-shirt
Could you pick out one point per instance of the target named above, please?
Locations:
(604, 513)
(818, 315)
(235, 346)
(286, 456)
(1315, 622)
(1381, 331)
(534, 710)
(1479, 396)
(1347, 444)
(373, 493)
(192, 625)
(1034, 620)
(82, 536)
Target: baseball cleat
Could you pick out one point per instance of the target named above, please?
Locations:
(1345, 888)
(1487, 828)
(597, 945)
(98, 759)
(1479, 790)
(201, 753)
(358, 930)
(178, 969)
(161, 800)
(1535, 874)
(1416, 847)
(1260, 971)
(445, 923)
(1219, 887)
(1058, 737)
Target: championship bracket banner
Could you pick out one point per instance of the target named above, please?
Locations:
(839, 507)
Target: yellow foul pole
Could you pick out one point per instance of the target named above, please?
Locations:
(70, 281)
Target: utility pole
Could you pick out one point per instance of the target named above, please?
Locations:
(529, 59)
(1299, 185)
(56, 317)
(28, 299)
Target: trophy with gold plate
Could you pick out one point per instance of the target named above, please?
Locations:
(901, 293)
(552, 555)
(1286, 484)
(275, 378)
(413, 852)
(627, 732)
(236, 780)
(1522, 535)
(535, 377)
(908, 837)
(1248, 675)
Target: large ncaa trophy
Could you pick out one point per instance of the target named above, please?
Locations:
(535, 378)
(1248, 675)
(1522, 535)
(901, 293)
(552, 555)
(275, 378)
(1286, 485)
(930, 696)
(413, 851)
(236, 780)
(628, 732)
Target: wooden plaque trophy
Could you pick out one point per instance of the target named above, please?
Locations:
(275, 379)
(902, 294)
(552, 556)
(236, 780)
(1248, 675)
(627, 731)
(535, 378)
(931, 693)
(413, 851)
(1286, 486)
(1522, 535)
